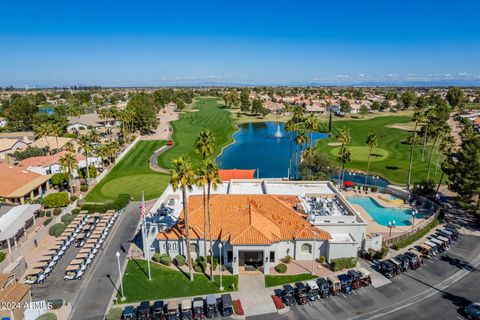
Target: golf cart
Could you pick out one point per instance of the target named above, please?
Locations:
(128, 313)
(157, 310)
(301, 293)
(227, 308)
(397, 264)
(287, 295)
(442, 246)
(356, 277)
(387, 268)
(425, 250)
(365, 278)
(413, 260)
(211, 310)
(198, 308)
(312, 290)
(172, 311)
(437, 249)
(323, 287)
(335, 285)
(187, 309)
(143, 311)
(346, 283)
(404, 262)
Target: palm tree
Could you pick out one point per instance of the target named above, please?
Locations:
(417, 117)
(300, 140)
(311, 124)
(372, 142)
(43, 130)
(69, 163)
(182, 176)
(344, 156)
(86, 145)
(205, 143)
(114, 113)
(201, 181)
(56, 132)
(213, 180)
(291, 127)
(438, 132)
(103, 113)
(343, 137)
(446, 144)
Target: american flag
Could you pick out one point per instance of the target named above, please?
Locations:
(142, 207)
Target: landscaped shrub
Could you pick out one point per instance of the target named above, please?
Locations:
(46, 222)
(281, 268)
(41, 213)
(3, 255)
(56, 303)
(287, 259)
(73, 198)
(75, 211)
(57, 211)
(48, 213)
(414, 237)
(83, 188)
(56, 200)
(156, 257)
(180, 260)
(165, 259)
(56, 230)
(66, 219)
(200, 265)
(215, 262)
(343, 263)
(321, 259)
(82, 172)
(47, 316)
(60, 179)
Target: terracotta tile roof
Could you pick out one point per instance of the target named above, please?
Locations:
(14, 293)
(227, 175)
(14, 178)
(477, 121)
(7, 144)
(247, 219)
(4, 279)
(45, 161)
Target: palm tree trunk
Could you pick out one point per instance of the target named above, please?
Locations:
(88, 168)
(340, 168)
(290, 161)
(368, 165)
(438, 161)
(430, 158)
(440, 181)
(295, 162)
(412, 146)
(204, 223)
(210, 232)
(70, 182)
(187, 232)
(424, 141)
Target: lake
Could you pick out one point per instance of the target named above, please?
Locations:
(263, 146)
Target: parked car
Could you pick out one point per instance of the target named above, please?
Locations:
(227, 308)
(346, 283)
(312, 290)
(323, 288)
(128, 313)
(198, 308)
(158, 310)
(301, 293)
(187, 309)
(143, 311)
(287, 293)
(211, 307)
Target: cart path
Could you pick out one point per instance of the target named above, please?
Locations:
(153, 160)
(255, 298)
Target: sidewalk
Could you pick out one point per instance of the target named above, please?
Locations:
(255, 298)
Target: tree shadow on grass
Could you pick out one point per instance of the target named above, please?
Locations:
(140, 267)
(392, 168)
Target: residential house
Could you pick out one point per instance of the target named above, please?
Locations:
(14, 297)
(8, 146)
(19, 185)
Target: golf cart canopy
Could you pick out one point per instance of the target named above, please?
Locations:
(365, 273)
(226, 300)
(431, 244)
(211, 299)
(300, 286)
(129, 311)
(344, 278)
(288, 288)
(353, 273)
(158, 307)
(186, 304)
(172, 306)
(198, 303)
(312, 284)
(144, 308)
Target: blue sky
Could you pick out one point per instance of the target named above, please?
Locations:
(138, 43)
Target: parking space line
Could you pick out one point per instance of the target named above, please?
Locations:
(343, 295)
(322, 301)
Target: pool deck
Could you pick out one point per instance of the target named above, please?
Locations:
(372, 225)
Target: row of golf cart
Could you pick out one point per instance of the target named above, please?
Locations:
(322, 288)
(187, 309)
(412, 259)
(77, 267)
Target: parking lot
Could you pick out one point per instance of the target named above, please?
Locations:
(438, 281)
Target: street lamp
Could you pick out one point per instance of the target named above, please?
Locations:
(220, 249)
(414, 213)
(391, 225)
(123, 298)
(313, 251)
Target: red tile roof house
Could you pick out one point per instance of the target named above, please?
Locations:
(256, 231)
(19, 185)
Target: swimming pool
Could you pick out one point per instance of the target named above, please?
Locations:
(382, 215)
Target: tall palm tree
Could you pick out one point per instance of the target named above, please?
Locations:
(86, 145)
(446, 145)
(300, 140)
(291, 127)
(104, 114)
(114, 113)
(56, 132)
(205, 143)
(182, 176)
(438, 132)
(427, 115)
(372, 142)
(344, 156)
(418, 118)
(343, 137)
(69, 163)
(213, 180)
(201, 181)
(43, 130)
(311, 124)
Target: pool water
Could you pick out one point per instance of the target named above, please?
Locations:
(382, 215)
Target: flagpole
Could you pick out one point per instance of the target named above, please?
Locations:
(145, 235)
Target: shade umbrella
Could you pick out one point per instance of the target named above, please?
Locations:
(348, 184)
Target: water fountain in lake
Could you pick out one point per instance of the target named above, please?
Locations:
(278, 134)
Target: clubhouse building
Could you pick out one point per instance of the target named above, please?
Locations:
(256, 223)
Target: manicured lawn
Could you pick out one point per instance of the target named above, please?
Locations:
(132, 175)
(168, 283)
(207, 113)
(273, 281)
(392, 156)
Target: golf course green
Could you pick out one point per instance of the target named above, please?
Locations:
(390, 159)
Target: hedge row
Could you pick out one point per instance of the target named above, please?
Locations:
(56, 200)
(416, 236)
(121, 202)
(56, 230)
(343, 263)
